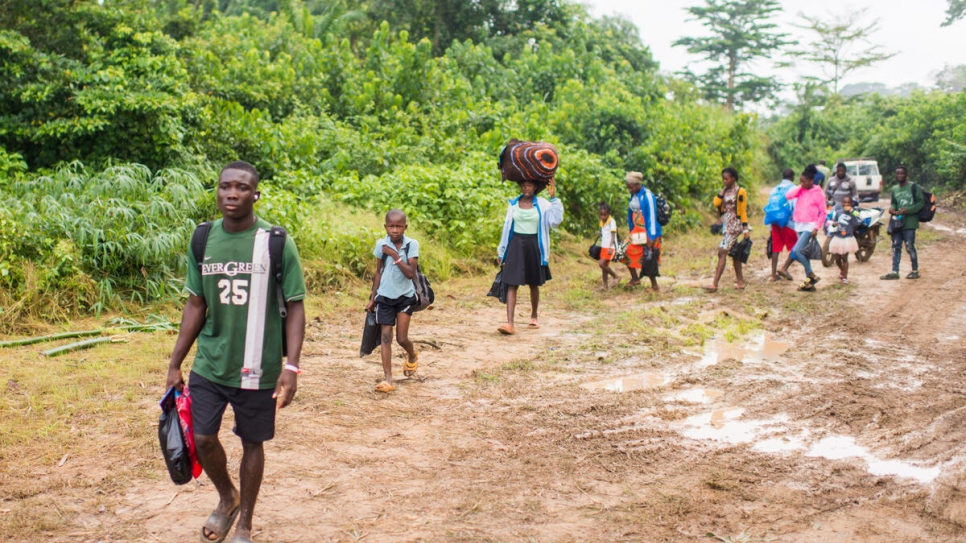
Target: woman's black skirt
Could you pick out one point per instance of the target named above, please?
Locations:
(521, 264)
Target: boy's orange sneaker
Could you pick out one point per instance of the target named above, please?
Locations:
(410, 367)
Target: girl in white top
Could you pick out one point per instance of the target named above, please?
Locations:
(608, 244)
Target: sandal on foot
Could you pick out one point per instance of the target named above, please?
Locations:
(410, 367)
(785, 275)
(385, 387)
(891, 276)
(739, 286)
(914, 274)
(534, 323)
(218, 525)
(807, 286)
(506, 330)
(708, 288)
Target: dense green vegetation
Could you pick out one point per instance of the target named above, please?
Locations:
(330, 117)
(115, 119)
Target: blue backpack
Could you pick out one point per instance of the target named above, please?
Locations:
(778, 211)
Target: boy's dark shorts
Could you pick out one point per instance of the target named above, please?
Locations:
(254, 409)
(388, 308)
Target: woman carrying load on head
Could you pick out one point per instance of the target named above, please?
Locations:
(643, 225)
(732, 204)
(524, 250)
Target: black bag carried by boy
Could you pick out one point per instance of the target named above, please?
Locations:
(664, 210)
(174, 447)
(768, 252)
(928, 210)
(371, 336)
(741, 250)
(498, 288)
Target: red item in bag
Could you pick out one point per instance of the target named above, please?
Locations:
(183, 403)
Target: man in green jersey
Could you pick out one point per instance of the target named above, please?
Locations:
(233, 312)
(907, 201)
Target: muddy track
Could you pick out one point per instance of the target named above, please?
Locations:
(843, 424)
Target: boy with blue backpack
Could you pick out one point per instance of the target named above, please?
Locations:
(778, 213)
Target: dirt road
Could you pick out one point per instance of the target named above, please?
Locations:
(835, 416)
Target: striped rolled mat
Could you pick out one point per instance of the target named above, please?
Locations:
(528, 161)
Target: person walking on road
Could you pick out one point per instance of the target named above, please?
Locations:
(783, 237)
(907, 201)
(732, 204)
(524, 249)
(233, 312)
(809, 216)
(643, 258)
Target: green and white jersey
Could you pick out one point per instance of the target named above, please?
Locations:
(240, 344)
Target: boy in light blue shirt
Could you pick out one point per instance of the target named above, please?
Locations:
(393, 295)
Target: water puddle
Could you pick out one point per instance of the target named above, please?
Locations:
(695, 395)
(944, 228)
(643, 381)
(840, 447)
(724, 425)
(759, 348)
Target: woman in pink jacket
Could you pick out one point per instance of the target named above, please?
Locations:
(809, 216)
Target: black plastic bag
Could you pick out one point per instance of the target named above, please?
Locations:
(498, 289)
(741, 250)
(174, 448)
(812, 250)
(371, 335)
(594, 251)
(649, 263)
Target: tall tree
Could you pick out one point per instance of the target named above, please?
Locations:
(955, 11)
(842, 46)
(742, 32)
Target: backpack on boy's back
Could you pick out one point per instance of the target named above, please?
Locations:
(778, 210)
(928, 210)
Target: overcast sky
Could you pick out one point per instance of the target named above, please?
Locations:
(910, 28)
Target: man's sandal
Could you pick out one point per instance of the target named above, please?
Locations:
(410, 367)
(785, 275)
(216, 528)
(385, 387)
(710, 289)
(534, 323)
(506, 330)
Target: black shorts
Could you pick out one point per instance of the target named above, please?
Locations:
(254, 409)
(388, 308)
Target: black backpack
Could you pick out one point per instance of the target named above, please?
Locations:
(424, 293)
(664, 210)
(276, 248)
(928, 210)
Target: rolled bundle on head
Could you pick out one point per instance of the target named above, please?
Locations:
(534, 161)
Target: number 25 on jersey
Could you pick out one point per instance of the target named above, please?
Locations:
(233, 291)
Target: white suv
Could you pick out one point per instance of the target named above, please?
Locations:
(865, 173)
